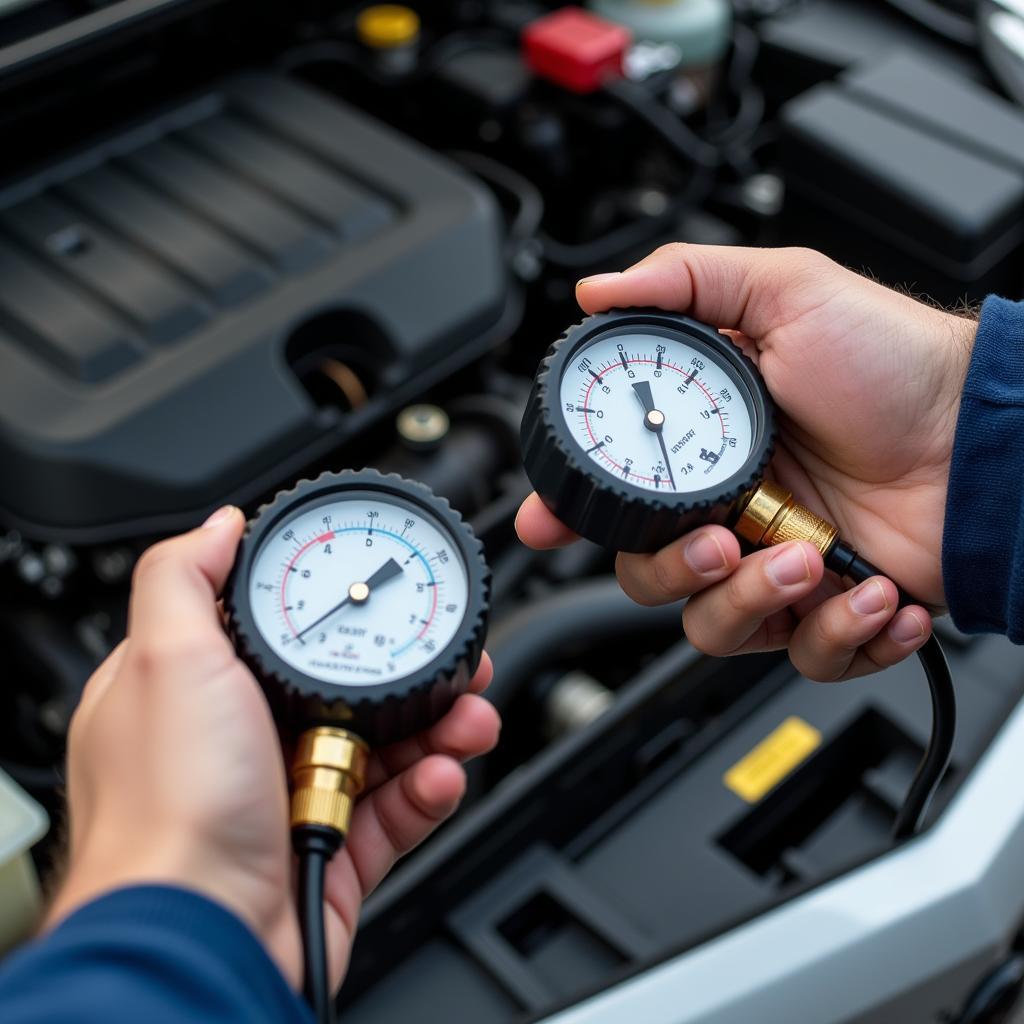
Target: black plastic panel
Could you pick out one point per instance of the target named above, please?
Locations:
(912, 171)
(159, 291)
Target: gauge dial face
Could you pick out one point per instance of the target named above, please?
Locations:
(656, 412)
(359, 590)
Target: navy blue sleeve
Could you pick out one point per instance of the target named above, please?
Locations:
(151, 954)
(983, 538)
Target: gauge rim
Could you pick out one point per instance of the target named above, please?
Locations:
(743, 372)
(466, 643)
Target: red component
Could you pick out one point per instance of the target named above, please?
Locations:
(575, 49)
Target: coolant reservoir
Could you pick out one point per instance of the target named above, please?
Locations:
(699, 28)
(22, 823)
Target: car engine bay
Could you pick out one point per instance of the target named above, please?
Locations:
(241, 244)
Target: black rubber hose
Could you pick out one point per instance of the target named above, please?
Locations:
(576, 256)
(668, 126)
(315, 982)
(315, 847)
(529, 199)
(592, 611)
(842, 559)
(674, 133)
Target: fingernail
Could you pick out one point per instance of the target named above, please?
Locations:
(704, 554)
(596, 279)
(907, 628)
(223, 513)
(789, 565)
(869, 598)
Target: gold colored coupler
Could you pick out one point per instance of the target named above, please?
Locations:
(328, 774)
(772, 517)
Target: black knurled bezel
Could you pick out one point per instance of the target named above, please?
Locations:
(384, 712)
(590, 499)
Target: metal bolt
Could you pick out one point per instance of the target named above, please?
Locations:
(59, 559)
(764, 194)
(10, 546)
(54, 717)
(575, 701)
(113, 564)
(31, 568)
(422, 426)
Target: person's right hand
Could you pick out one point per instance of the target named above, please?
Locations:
(868, 382)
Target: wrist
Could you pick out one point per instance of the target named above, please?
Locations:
(961, 332)
(96, 870)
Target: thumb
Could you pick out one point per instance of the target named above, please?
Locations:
(177, 582)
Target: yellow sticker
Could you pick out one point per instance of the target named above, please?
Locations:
(772, 759)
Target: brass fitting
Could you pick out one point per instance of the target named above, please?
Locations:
(328, 774)
(772, 517)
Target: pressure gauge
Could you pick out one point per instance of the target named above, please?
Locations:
(643, 424)
(359, 600)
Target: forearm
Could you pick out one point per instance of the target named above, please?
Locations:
(148, 953)
(983, 539)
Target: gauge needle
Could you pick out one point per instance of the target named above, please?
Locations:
(642, 389)
(654, 421)
(359, 593)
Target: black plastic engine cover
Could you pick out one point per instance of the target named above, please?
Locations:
(158, 291)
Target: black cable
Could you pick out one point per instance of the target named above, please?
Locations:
(610, 246)
(315, 847)
(529, 200)
(673, 131)
(739, 80)
(842, 559)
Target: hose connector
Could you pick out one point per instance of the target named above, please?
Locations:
(771, 517)
(328, 774)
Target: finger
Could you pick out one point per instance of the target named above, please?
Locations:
(469, 729)
(750, 290)
(97, 685)
(684, 567)
(99, 682)
(741, 610)
(483, 675)
(538, 528)
(400, 815)
(909, 630)
(175, 589)
(826, 645)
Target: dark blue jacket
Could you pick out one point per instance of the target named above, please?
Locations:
(148, 955)
(983, 539)
(164, 956)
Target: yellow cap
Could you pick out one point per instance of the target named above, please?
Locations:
(388, 26)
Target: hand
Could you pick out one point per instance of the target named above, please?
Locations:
(868, 382)
(176, 776)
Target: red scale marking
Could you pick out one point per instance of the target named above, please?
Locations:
(322, 539)
(618, 366)
(433, 612)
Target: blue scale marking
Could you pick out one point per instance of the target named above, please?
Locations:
(403, 541)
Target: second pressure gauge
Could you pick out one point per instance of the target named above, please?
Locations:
(643, 424)
(359, 600)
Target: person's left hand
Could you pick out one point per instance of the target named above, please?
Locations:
(176, 775)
